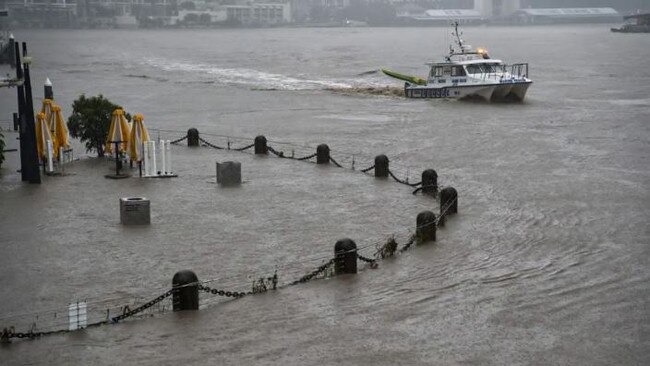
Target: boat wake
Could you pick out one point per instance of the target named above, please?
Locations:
(389, 91)
(259, 80)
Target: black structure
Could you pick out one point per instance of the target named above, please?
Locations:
(186, 297)
(260, 145)
(27, 131)
(322, 154)
(345, 256)
(381, 166)
(48, 92)
(448, 203)
(425, 229)
(192, 137)
(430, 182)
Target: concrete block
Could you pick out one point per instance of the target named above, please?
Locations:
(229, 173)
(135, 211)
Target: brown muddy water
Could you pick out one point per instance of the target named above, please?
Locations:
(546, 262)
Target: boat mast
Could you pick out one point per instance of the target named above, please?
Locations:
(457, 34)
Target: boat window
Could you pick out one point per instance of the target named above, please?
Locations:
(446, 70)
(488, 68)
(457, 71)
(436, 71)
(474, 69)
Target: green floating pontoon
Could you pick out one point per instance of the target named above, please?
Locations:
(410, 79)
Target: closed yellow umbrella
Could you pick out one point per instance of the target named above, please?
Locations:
(118, 131)
(46, 108)
(138, 137)
(42, 136)
(59, 129)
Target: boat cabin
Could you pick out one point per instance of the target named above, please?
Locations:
(476, 68)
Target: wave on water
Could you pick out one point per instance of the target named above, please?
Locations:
(389, 91)
(259, 80)
(147, 77)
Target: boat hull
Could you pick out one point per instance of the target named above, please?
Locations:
(489, 92)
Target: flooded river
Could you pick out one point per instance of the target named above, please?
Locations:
(546, 262)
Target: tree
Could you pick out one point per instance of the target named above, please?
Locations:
(90, 121)
(188, 5)
(2, 147)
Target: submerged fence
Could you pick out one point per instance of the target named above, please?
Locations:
(186, 286)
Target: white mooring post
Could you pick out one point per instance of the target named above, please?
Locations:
(149, 158)
(77, 315)
(163, 167)
(168, 159)
(50, 156)
(61, 160)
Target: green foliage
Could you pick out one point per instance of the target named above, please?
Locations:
(91, 120)
(2, 147)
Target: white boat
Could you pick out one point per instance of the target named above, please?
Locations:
(468, 73)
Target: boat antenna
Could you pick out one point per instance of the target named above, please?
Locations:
(457, 34)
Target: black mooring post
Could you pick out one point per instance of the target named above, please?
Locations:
(430, 182)
(48, 93)
(186, 291)
(345, 256)
(118, 162)
(192, 137)
(260, 145)
(11, 49)
(322, 154)
(448, 203)
(16, 122)
(425, 227)
(381, 166)
(33, 173)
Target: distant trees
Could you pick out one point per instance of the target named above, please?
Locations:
(90, 121)
(187, 5)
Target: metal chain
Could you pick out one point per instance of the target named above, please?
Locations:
(210, 144)
(313, 274)
(335, 162)
(245, 147)
(403, 181)
(367, 169)
(366, 259)
(423, 187)
(8, 333)
(306, 157)
(178, 140)
(408, 244)
(151, 303)
(214, 291)
(279, 154)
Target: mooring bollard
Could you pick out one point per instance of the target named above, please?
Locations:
(381, 166)
(448, 203)
(192, 137)
(322, 154)
(229, 173)
(345, 256)
(425, 227)
(260, 145)
(47, 89)
(430, 182)
(186, 297)
(135, 211)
